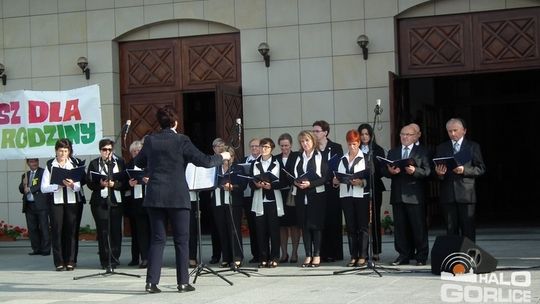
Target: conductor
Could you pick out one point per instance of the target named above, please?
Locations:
(165, 155)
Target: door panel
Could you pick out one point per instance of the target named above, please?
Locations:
(141, 110)
(150, 66)
(209, 60)
(228, 109)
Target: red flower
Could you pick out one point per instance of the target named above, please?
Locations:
(386, 212)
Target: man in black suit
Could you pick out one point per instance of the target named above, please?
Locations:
(165, 155)
(407, 199)
(36, 208)
(332, 234)
(457, 190)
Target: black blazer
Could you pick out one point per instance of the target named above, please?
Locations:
(332, 149)
(165, 155)
(285, 179)
(456, 187)
(120, 184)
(40, 199)
(407, 188)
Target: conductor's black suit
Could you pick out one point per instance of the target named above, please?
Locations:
(165, 155)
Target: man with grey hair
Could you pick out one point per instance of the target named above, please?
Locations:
(457, 190)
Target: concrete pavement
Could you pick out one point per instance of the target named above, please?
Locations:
(31, 279)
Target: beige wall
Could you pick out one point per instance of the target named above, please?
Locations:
(316, 71)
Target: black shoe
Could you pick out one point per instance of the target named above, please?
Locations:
(213, 261)
(420, 263)
(152, 288)
(133, 263)
(400, 261)
(185, 288)
(34, 253)
(45, 253)
(144, 264)
(60, 268)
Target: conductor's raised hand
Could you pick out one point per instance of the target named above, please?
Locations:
(226, 155)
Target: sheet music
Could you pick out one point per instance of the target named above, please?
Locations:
(200, 178)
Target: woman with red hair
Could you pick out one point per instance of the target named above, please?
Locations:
(354, 195)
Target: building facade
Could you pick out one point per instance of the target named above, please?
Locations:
(317, 70)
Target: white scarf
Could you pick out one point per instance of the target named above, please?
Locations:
(354, 191)
(257, 205)
(105, 191)
(318, 161)
(58, 194)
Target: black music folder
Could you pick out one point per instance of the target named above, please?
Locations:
(136, 174)
(308, 176)
(96, 176)
(345, 178)
(400, 163)
(59, 174)
(456, 160)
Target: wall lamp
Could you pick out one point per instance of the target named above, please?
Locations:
(264, 49)
(363, 42)
(2, 74)
(82, 62)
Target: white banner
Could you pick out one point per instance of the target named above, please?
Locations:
(32, 121)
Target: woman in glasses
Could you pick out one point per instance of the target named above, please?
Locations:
(107, 181)
(267, 204)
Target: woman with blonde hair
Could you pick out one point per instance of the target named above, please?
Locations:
(310, 171)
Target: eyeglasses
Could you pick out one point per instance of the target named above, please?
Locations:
(265, 147)
(106, 149)
(406, 134)
(254, 146)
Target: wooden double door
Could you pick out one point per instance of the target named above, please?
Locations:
(199, 76)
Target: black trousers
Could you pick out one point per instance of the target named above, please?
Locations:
(356, 212)
(140, 229)
(230, 234)
(268, 237)
(80, 207)
(332, 234)
(410, 232)
(37, 221)
(63, 223)
(376, 224)
(250, 217)
(459, 219)
(193, 230)
(179, 219)
(103, 215)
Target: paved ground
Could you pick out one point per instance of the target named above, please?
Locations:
(30, 279)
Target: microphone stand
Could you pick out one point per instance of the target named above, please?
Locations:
(201, 267)
(236, 238)
(370, 265)
(109, 270)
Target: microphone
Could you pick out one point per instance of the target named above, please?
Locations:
(378, 109)
(239, 129)
(126, 127)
